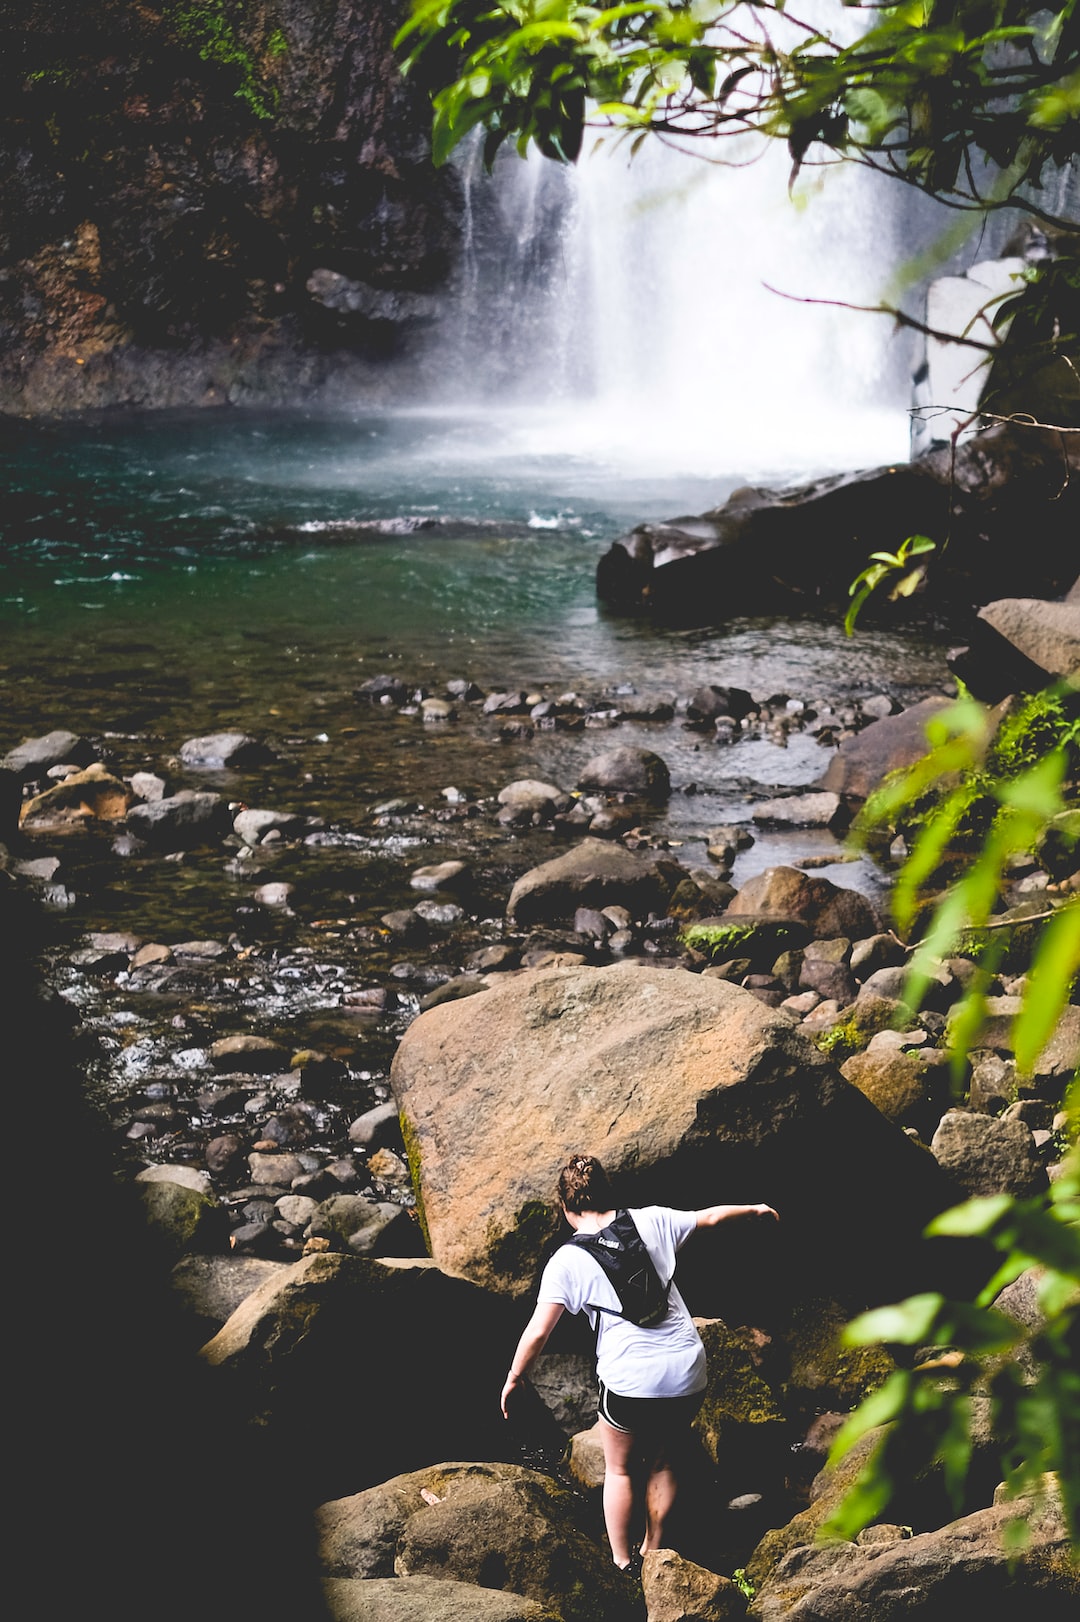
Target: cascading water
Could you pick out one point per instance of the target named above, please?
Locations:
(636, 310)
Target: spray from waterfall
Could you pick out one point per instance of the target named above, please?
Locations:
(682, 314)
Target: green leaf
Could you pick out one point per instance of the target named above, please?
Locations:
(879, 1408)
(906, 1322)
(974, 1216)
(1054, 967)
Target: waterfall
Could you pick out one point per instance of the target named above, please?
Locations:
(680, 314)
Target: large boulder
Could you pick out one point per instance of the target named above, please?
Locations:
(501, 1526)
(33, 757)
(594, 874)
(693, 1092)
(362, 1368)
(778, 549)
(964, 1568)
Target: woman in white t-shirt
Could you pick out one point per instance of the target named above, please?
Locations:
(651, 1381)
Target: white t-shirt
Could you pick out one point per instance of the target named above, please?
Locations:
(666, 1361)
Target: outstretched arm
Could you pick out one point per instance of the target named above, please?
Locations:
(534, 1337)
(713, 1214)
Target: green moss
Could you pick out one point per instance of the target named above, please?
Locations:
(412, 1155)
(206, 28)
(514, 1252)
(839, 1043)
(760, 939)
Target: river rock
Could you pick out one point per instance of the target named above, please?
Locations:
(93, 793)
(865, 758)
(815, 810)
(739, 1423)
(366, 1227)
(905, 1087)
(677, 1590)
(377, 1128)
(425, 1599)
(527, 798)
(1061, 1054)
(938, 1573)
(181, 1219)
(453, 876)
(707, 702)
(627, 770)
(210, 1288)
(596, 874)
(253, 826)
(181, 821)
(225, 749)
(691, 1089)
(825, 908)
(34, 757)
(255, 1055)
(186, 1176)
(509, 1527)
(306, 1356)
(1019, 645)
(988, 1154)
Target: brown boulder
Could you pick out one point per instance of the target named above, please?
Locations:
(692, 1091)
(966, 1567)
(93, 794)
(502, 1527)
(677, 1590)
(826, 909)
(907, 1088)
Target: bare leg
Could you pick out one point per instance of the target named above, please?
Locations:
(659, 1499)
(618, 1490)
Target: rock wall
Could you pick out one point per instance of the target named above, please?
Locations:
(213, 201)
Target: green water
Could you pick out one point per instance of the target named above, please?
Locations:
(168, 576)
(171, 576)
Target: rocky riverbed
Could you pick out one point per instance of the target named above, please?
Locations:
(335, 1058)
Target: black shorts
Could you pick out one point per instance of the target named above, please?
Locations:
(647, 1416)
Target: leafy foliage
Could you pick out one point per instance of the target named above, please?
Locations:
(1031, 1374)
(205, 25)
(984, 793)
(976, 101)
(992, 786)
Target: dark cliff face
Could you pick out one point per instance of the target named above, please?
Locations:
(205, 201)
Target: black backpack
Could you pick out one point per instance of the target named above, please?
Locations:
(620, 1250)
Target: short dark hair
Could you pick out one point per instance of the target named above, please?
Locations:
(584, 1185)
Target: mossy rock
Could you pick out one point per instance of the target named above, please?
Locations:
(836, 1376)
(761, 939)
(740, 1423)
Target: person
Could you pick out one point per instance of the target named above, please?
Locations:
(651, 1381)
